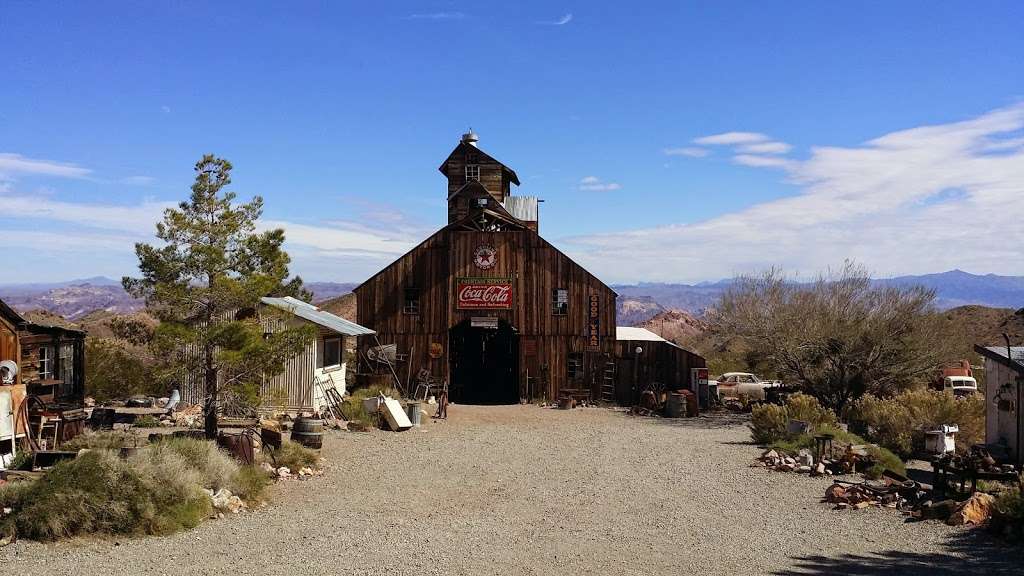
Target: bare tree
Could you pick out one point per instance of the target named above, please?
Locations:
(838, 337)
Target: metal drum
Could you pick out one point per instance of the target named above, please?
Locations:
(414, 413)
(308, 432)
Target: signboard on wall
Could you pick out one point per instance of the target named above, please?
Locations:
(483, 293)
(594, 323)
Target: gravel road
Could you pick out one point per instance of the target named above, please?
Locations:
(527, 490)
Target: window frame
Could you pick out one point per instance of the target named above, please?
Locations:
(330, 341)
(473, 169)
(46, 363)
(574, 372)
(559, 308)
(411, 301)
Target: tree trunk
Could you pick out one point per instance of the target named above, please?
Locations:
(210, 409)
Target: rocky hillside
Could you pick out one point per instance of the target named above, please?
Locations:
(344, 306)
(73, 301)
(677, 326)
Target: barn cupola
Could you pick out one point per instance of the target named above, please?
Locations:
(473, 176)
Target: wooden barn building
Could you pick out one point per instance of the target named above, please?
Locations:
(489, 306)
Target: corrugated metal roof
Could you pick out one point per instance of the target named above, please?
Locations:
(307, 311)
(632, 333)
(1017, 352)
(522, 207)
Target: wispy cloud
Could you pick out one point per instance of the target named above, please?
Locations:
(687, 151)
(437, 16)
(731, 138)
(18, 164)
(772, 147)
(565, 19)
(885, 202)
(595, 184)
(761, 161)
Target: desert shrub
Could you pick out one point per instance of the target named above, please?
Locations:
(354, 404)
(807, 409)
(898, 423)
(146, 421)
(1008, 516)
(768, 423)
(103, 440)
(249, 482)
(216, 468)
(115, 368)
(293, 456)
(100, 493)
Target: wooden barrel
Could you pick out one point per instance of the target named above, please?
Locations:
(308, 432)
(675, 405)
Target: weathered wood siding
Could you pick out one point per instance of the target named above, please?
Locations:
(660, 362)
(535, 268)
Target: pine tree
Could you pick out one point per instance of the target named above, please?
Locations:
(204, 281)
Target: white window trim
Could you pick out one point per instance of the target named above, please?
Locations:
(475, 168)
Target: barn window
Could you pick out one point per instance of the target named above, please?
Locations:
(412, 301)
(559, 301)
(332, 352)
(574, 370)
(472, 172)
(45, 363)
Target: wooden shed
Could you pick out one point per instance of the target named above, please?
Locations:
(1004, 392)
(646, 360)
(489, 306)
(302, 386)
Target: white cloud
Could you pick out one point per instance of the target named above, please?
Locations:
(688, 151)
(765, 148)
(731, 139)
(885, 203)
(595, 184)
(761, 161)
(437, 16)
(18, 164)
(565, 19)
(137, 218)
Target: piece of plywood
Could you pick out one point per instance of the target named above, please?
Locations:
(397, 419)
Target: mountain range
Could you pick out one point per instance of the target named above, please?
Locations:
(637, 303)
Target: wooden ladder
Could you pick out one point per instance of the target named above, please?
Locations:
(608, 383)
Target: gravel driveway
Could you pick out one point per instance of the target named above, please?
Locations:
(527, 490)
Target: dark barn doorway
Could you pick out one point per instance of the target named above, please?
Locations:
(484, 363)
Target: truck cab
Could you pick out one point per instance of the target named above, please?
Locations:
(960, 385)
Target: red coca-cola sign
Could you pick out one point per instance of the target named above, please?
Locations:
(481, 293)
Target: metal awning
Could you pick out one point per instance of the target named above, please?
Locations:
(307, 311)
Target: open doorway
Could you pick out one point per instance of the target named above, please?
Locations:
(484, 363)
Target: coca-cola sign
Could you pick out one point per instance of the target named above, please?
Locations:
(483, 293)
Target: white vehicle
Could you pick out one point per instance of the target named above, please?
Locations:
(960, 385)
(744, 384)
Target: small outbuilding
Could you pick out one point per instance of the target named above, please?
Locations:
(646, 360)
(1004, 387)
(322, 365)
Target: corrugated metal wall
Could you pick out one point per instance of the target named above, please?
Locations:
(293, 387)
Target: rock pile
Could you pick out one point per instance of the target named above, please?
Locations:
(225, 502)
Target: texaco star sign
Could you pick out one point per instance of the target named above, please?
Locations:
(485, 257)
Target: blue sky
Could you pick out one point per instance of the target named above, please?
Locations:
(676, 141)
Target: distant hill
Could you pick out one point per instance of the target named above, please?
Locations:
(677, 326)
(344, 306)
(636, 303)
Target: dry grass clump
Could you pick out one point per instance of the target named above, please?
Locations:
(769, 421)
(293, 456)
(158, 490)
(99, 493)
(104, 440)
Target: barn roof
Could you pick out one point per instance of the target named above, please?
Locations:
(311, 313)
(636, 334)
(11, 314)
(1015, 361)
(463, 147)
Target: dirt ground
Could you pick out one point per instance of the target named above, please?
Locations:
(529, 490)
